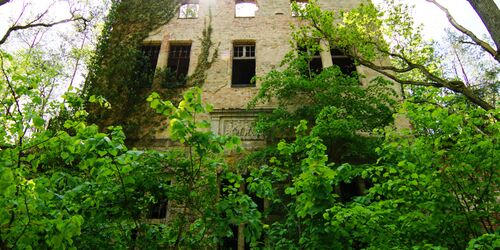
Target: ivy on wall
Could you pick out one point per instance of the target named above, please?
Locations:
(114, 71)
(117, 75)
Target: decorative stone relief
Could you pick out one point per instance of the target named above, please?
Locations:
(239, 122)
(244, 128)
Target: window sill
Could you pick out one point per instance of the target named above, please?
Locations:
(242, 85)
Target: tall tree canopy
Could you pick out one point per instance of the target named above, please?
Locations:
(368, 34)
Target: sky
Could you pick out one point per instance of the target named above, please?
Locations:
(435, 21)
(426, 13)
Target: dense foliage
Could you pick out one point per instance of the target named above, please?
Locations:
(81, 188)
(432, 185)
(338, 173)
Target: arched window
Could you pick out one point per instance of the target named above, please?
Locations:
(245, 8)
(189, 9)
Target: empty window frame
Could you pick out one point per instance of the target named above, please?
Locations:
(189, 9)
(301, 6)
(315, 63)
(345, 63)
(178, 64)
(150, 53)
(243, 65)
(159, 209)
(245, 8)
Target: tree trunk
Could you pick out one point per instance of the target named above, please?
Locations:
(490, 15)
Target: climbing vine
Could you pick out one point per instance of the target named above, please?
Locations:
(117, 71)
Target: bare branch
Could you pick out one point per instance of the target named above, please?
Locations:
(467, 32)
(34, 24)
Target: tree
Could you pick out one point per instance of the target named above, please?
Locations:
(489, 13)
(2, 2)
(39, 20)
(429, 187)
(64, 184)
(364, 34)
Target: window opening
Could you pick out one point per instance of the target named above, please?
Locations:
(301, 6)
(315, 63)
(350, 190)
(189, 9)
(245, 8)
(178, 64)
(148, 58)
(150, 53)
(159, 209)
(243, 65)
(345, 63)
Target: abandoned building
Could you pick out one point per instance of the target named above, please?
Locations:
(252, 36)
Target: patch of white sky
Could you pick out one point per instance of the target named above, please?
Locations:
(434, 20)
(26, 10)
(58, 41)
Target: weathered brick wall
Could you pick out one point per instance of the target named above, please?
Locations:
(269, 29)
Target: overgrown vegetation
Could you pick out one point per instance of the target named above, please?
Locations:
(338, 173)
(115, 72)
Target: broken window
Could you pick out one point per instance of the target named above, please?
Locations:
(301, 7)
(245, 8)
(178, 64)
(189, 9)
(148, 58)
(345, 63)
(243, 65)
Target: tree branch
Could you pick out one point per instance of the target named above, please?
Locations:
(34, 24)
(467, 32)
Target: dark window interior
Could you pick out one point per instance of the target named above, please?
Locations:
(178, 64)
(150, 52)
(243, 65)
(345, 63)
(350, 190)
(147, 63)
(315, 63)
(159, 209)
(232, 242)
(228, 243)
